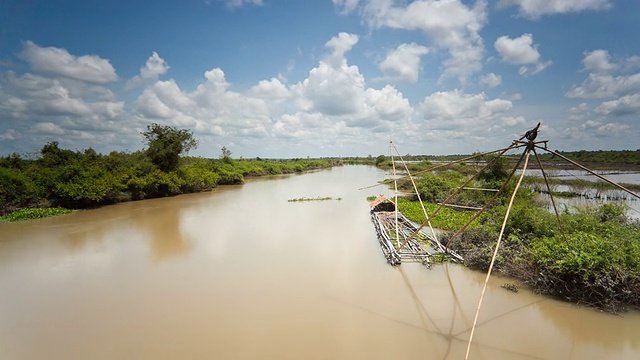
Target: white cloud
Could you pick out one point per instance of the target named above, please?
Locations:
(271, 89)
(340, 45)
(629, 104)
(606, 79)
(48, 129)
(403, 63)
(10, 135)
(517, 51)
(455, 109)
(59, 62)
(347, 6)
(153, 68)
(605, 85)
(534, 9)
(490, 80)
(598, 61)
(513, 120)
(240, 3)
(450, 25)
(521, 51)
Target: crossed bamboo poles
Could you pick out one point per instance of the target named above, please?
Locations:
(530, 146)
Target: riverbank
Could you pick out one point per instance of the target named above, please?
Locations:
(588, 256)
(80, 180)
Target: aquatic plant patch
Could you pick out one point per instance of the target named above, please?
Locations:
(34, 213)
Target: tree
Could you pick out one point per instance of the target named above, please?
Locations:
(225, 153)
(166, 144)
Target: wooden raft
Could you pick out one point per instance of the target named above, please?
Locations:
(419, 248)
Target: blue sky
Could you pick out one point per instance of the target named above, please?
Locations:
(275, 78)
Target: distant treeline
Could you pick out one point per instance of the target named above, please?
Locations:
(629, 157)
(81, 179)
(625, 157)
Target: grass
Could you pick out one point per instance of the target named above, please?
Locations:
(445, 219)
(313, 199)
(34, 213)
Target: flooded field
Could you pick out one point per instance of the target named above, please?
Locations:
(241, 273)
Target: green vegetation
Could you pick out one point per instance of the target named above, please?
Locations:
(593, 258)
(80, 179)
(313, 199)
(618, 157)
(34, 213)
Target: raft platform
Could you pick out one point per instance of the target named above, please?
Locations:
(419, 248)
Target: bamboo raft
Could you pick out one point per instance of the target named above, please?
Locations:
(417, 248)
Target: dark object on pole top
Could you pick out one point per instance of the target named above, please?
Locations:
(532, 134)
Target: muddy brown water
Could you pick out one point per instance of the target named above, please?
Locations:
(241, 273)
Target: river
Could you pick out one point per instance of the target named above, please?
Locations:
(241, 273)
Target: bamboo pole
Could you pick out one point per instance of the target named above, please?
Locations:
(553, 201)
(440, 206)
(515, 145)
(424, 211)
(495, 252)
(395, 185)
(591, 172)
(493, 198)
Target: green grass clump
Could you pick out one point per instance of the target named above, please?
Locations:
(445, 219)
(34, 213)
(313, 199)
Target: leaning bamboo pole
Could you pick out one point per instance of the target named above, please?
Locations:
(395, 193)
(424, 211)
(588, 170)
(493, 198)
(495, 252)
(446, 200)
(553, 201)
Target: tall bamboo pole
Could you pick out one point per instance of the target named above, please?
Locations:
(395, 186)
(591, 172)
(495, 252)
(424, 211)
(553, 201)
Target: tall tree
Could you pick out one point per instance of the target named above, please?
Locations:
(166, 144)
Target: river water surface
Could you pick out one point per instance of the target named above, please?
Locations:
(241, 273)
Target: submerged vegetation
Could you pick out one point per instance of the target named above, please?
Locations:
(589, 256)
(69, 179)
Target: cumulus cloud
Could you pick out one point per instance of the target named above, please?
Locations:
(606, 79)
(455, 109)
(33, 95)
(490, 80)
(338, 90)
(450, 25)
(340, 45)
(534, 9)
(59, 62)
(150, 72)
(403, 63)
(521, 51)
(272, 89)
(346, 6)
(240, 3)
(629, 104)
(598, 61)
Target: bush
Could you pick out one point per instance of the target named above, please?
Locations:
(17, 189)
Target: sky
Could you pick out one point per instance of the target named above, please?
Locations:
(320, 78)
